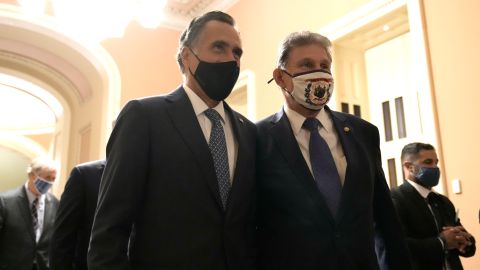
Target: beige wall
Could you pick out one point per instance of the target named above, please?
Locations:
(263, 24)
(146, 60)
(454, 38)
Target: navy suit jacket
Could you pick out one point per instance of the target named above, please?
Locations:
(73, 224)
(295, 228)
(421, 230)
(159, 187)
(18, 248)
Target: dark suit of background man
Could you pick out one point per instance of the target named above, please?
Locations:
(26, 219)
(317, 208)
(161, 177)
(73, 224)
(434, 233)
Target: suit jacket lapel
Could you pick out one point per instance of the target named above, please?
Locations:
(24, 206)
(242, 146)
(185, 121)
(282, 134)
(355, 157)
(423, 210)
(48, 217)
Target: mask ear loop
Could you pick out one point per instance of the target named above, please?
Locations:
(269, 81)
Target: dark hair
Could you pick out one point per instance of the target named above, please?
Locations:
(412, 149)
(302, 38)
(190, 34)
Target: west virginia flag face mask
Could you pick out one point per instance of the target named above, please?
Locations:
(312, 89)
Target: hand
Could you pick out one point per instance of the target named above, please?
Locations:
(456, 237)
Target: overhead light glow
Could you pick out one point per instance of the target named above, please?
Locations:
(95, 20)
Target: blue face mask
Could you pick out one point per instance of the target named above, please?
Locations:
(428, 177)
(42, 185)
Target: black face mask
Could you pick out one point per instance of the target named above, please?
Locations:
(216, 79)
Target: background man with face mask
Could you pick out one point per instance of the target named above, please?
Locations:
(180, 174)
(321, 188)
(434, 233)
(26, 219)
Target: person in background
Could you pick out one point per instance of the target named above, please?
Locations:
(73, 224)
(27, 216)
(178, 189)
(322, 194)
(435, 236)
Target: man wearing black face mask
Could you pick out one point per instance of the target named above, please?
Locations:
(434, 233)
(179, 179)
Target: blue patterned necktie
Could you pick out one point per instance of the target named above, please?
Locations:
(323, 166)
(34, 214)
(218, 148)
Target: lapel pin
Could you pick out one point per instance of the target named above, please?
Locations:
(346, 129)
(241, 120)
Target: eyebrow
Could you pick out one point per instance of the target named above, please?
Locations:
(308, 59)
(237, 50)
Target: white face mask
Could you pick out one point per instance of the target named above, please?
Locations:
(312, 89)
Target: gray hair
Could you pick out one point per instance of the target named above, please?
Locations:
(41, 164)
(191, 33)
(302, 38)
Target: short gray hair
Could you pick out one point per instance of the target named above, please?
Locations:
(41, 164)
(190, 34)
(301, 38)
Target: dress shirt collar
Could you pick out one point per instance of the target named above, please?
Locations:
(199, 106)
(32, 196)
(422, 190)
(296, 119)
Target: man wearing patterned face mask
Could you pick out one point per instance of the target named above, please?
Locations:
(321, 189)
(435, 236)
(26, 219)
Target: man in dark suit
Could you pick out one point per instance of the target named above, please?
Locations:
(322, 194)
(26, 219)
(73, 224)
(180, 173)
(434, 233)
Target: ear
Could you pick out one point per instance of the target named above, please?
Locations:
(185, 54)
(279, 77)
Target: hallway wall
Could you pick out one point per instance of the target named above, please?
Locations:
(454, 39)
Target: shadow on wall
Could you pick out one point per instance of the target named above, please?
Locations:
(13, 169)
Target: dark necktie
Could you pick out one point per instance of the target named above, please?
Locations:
(218, 148)
(34, 213)
(323, 167)
(433, 201)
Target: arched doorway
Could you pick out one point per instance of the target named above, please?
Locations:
(82, 78)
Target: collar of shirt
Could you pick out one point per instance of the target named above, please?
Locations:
(32, 196)
(422, 190)
(199, 106)
(296, 120)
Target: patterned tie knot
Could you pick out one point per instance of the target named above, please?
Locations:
(35, 204)
(214, 116)
(311, 124)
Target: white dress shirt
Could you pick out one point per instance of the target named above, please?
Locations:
(328, 133)
(199, 108)
(40, 210)
(423, 191)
